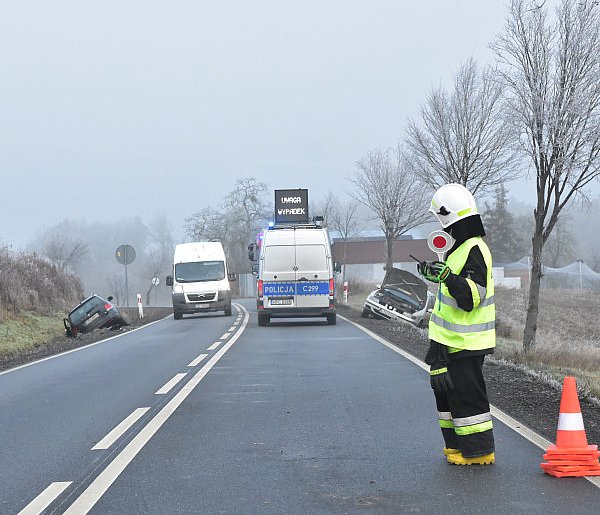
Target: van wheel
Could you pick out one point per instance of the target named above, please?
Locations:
(177, 315)
(331, 319)
(365, 313)
(228, 310)
(263, 320)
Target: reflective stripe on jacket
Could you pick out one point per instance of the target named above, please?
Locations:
(459, 329)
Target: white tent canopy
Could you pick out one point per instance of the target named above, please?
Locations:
(575, 275)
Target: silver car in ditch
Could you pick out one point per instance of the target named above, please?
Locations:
(401, 296)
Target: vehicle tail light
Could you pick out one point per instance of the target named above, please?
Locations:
(108, 306)
(260, 288)
(331, 287)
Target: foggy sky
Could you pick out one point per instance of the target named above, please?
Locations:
(112, 109)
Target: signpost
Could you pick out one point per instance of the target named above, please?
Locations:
(125, 255)
(291, 206)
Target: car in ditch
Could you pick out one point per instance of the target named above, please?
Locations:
(401, 296)
(92, 313)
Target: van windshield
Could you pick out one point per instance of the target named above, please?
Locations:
(199, 271)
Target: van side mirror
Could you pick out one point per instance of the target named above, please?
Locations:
(252, 252)
(337, 267)
(232, 277)
(255, 269)
(109, 298)
(169, 280)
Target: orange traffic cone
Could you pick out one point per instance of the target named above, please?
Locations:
(571, 456)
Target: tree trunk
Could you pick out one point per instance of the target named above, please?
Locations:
(148, 294)
(389, 259)
(534, 292)
(344, 264)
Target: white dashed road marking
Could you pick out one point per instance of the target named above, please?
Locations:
(197, 360)
(214, 345)
(118, 431)
(167, 387)
(42, 501)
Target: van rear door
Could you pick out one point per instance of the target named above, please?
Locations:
(312, 276)
(279, 276)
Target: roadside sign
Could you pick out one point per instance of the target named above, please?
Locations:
(125, 254)
(440, 242)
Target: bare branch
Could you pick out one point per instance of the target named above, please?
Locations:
(385, 184)
(463, 136)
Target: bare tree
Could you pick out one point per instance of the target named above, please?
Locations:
(344, 219)
(207, 224)
(463, 135)
(159, 255)
(63, 251)
(385, 185)
(551, 71)
(235, 222)
(325, 207)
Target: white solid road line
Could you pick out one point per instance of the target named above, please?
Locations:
(225, 336)
(506, 419)
(118, 431)
(197, 360)
(42, 501)
(90, 496)
(167, 387)
(214, 345)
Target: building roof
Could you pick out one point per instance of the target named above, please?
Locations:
(355, 252)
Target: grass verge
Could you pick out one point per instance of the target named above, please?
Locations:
(26, 332)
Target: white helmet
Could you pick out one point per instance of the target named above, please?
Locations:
(451, 203)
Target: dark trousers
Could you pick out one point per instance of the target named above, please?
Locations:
(468, 398)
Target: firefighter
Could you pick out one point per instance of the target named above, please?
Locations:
(461, 329)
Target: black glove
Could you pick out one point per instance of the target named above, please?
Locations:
(434, 271)
(438, 359)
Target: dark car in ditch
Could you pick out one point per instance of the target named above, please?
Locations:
(401, 296)
(92, 313)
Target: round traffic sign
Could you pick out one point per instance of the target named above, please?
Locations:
(155, 281)
(440, 242)
(125, 254)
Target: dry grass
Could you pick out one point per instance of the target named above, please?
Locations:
(23, 333)
(567, 338)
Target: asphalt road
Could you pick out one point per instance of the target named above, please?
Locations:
(298, 417)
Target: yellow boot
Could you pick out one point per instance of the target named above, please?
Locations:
(459, 459)
(449, 450)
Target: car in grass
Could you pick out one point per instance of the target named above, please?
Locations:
(401, 296)
(92, 313)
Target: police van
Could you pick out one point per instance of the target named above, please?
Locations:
(295, 273)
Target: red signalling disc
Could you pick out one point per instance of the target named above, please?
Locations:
(440, 242)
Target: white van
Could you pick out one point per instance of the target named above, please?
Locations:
(200, 279)
(295, 274)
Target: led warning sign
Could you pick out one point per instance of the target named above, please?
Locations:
(291, 206)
